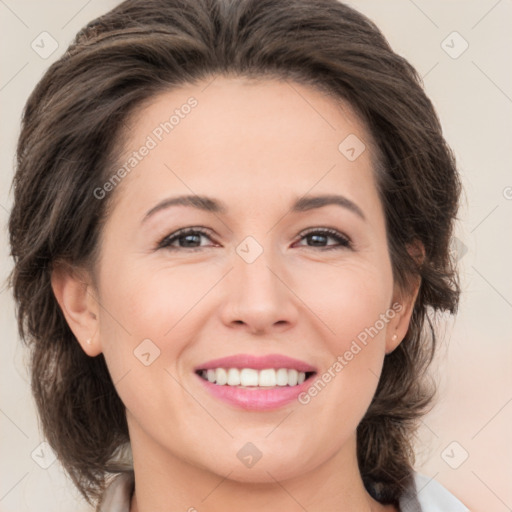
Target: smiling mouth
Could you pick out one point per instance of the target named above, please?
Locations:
(252, 378)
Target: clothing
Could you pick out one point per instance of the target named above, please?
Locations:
(426, 496)
(429, 496)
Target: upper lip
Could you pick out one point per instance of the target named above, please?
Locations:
(257, 362)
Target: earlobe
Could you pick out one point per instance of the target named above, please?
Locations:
(406, 298)
(74, 292)
(398, 328)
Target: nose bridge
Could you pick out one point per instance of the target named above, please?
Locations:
(258, 296)
(254, 264)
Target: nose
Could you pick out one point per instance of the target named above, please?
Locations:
(259, 296)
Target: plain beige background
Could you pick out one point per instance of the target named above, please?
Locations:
(465, 441)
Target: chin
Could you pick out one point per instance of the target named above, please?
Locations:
(263, 472)
(248, 462)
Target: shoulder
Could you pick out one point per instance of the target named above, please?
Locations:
(117, 495)
(429, 496)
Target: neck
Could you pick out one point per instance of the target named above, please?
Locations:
(164, 482)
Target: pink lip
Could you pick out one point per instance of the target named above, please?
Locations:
(257, 362)
(256, 399)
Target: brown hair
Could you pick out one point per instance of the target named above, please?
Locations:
(70, 139)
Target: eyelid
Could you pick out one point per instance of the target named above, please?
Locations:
(329, 232)
(344, 241)
(162, 244)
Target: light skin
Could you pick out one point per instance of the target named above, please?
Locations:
(255, 146)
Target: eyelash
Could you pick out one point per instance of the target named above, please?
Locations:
(344, 242)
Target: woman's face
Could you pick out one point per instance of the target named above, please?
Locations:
(251, 283)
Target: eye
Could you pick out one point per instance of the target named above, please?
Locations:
(320, 236)
(187, 238)
(190, 238)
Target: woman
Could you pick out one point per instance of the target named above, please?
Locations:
(231, 222)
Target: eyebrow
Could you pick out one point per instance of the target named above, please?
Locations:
(302, 204)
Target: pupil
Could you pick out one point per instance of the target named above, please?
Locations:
(316, 241)
(189, 238)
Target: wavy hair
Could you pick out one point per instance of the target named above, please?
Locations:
(71, 136)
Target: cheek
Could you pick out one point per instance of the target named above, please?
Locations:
(348, 299)
(147, 321)
(160, 303)
(354, 304)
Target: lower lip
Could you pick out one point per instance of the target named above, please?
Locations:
(256, 399)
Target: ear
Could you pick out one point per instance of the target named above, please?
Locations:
(403, 302)
(76, 296)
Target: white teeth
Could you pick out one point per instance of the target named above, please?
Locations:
(233, 377)
(249, 377)
(267, 378)
(282, 377)
(221, 376)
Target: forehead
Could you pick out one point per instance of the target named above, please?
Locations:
(231, 136)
